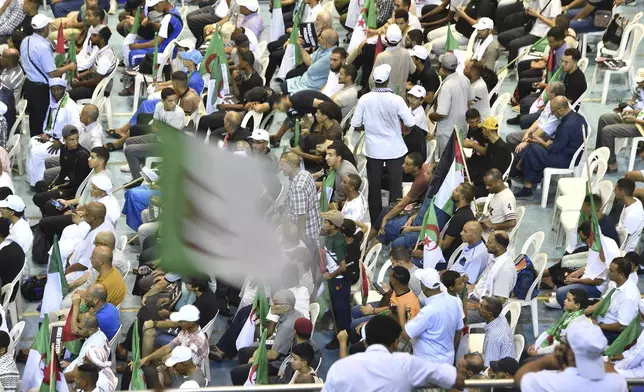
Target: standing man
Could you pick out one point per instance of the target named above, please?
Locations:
(424, 75)
(453, 100)
(37, 59)
(381, 112)
(480, 97)
(397, 58)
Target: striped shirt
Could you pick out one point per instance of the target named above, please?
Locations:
(196, 341)
(12, 17)
(13, 78)
(302, 199)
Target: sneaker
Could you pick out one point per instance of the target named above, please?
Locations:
(514, 120)
(524, 193)
(113, 7)
(333, 345)
(516, 109)
(552, 303)
(125, 169)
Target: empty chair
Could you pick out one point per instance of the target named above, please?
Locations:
(519, 345)
(552, 171)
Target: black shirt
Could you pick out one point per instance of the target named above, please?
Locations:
(261, 94)
(428, 78)
(455, 226)
(575, 83)
(475, 9)
(353, 249)
(302, 102)
(208, 305)
(12, 259)
(415, 141)
(7, 97)
(246, 85)
(73, 167)
(476, 134)
(498, 155)
(239, 134)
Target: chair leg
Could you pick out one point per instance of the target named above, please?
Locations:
(545, 187)
(108, 112)
(607, 75)
(535, 317)
(594, 80)
(631, 158)
(584, 43)
(138, 82)
(21, 162)
(13, 313)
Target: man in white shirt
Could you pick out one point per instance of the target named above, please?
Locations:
(414, 22)
(381, 369)
(623, 298)
(480, 97)
(580, 357)
(333, 84)
(497, 280)
(91, 133)
(436, 330)
(355, 205)
(415, 97)
(632, 216)
(453, 100)
(381, 112)
(501, 213)
(105, 63)
(13, 208)
(87, 329)
(473, 260)
(101, 191)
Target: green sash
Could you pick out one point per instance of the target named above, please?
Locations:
(604, 305)
(628, 336)
(554, 332)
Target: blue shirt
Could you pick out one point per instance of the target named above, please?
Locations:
(196, 82)
(316, 75)
(568, 136)
(37, 58)
(108, 320)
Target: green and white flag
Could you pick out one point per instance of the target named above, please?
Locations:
(277, 22)
(56, 287)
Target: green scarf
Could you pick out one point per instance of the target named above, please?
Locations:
(554, 332)
(604, 305)
(628, 336)
(329, 182)
(50, 122)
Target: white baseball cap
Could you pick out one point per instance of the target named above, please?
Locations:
(103, 183)
(260, 135)
(588, 342)
(417, 91)
(419, 51)
(179, 354)
(381, 73)
(96, 30)
(40, 21)
(639, 76)
(57, 82)
(252, 5)
(14, 203)
(484, 24)
(188, 313)
(152, 3)
(190, 384)
(394, 35)
(429, 277)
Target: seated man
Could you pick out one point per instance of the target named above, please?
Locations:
(108, 275)
(498, 342)
(13, 209)
(12, 75)
(93, 337)
(324, 129)
(613, 125)
(474, 258)
(62, 111)
(12, 257)
(554, 153)
(180, 369)
(101, 191)
(333, 85)
(494, 154)
(85, 83)
(10, 377)
(355, 206)
(318, 65)
(501, 213)
(347, 96)
(631, 218)
(619, 304)
(498, 278)
(86, 56)
(486, 46)
(629, 363)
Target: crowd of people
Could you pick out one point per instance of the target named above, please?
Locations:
(398, 106)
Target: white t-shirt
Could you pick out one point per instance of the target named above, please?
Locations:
(112, 208)
(311, 13)
(22, 234)
(332, 85)
(632, 219)
(421, 119)
(421, 3)
(5, 180)
(503, 207)
(105, 61)
(548, 8)
(355, 209)
(481, 98)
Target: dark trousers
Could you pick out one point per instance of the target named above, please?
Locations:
(41, 200)
(340, 294)
(212, 121)
(515, 39)
(36, 95)
(54, 225)
(227, 342)
(297, 71)
(198, 19)
(82, 92)
(239, 374)
(374, 176)
(142, 126)
(526, 120)
(275, 55)
(509, 16)
(365, 60)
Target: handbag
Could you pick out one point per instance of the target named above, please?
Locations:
(530, 23)
(602, 18)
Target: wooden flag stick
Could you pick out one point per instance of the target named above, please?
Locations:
(52, 380)
(132, 239)
(460, 145)
(140, 179)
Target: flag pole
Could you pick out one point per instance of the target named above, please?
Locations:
(460, 146)
(590, 185)
(519, 57)
(52, 380)
(140, 179)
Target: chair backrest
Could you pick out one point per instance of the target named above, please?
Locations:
(431, 150)
(365, 240)
(457, 252)
(429, 46)
(507, 171)
(122, 243)
(519, 345)
(266, 119)
(520, 214)
(576, 106)
(583, 64)
(597, 169)
(383, 271)
(605, 190)
(501, 78)
(347, 118)
(165, 57)
(535, 240)
(314, 311)
(13, 144)
(98, 96)
(539, 262)
(150, 160)
(21, 108)
(257, 118)
(500, 105)
(329, 7)
(360, 145)
(264, 64)
(15, 334)
(572, 166)
(371, 258)
(6, 295)
(115, 339)
(631, 40)
(602, 153)
(208, 328)
(128, 268)
(621, 232)
(262, 47)
(362, 167)
(515, 311)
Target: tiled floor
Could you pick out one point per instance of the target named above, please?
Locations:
(536, 219)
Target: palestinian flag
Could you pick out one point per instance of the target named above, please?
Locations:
(71, 55)
(60, 47)
(448, 175)
(292, 56)
(258, 374)
(277, 22)
(72, 342)
(366, 20)
(56, 287)
(258, 313)
(155, 58)
(131, 37)
(137, 382)
(214, 212)
(216, 64)
(42, 364)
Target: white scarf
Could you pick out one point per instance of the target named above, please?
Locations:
(480, 47)
(488, 287)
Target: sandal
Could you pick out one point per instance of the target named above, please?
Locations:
(110, 147)
(113, 133)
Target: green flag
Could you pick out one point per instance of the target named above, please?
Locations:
(625, 338)
(329, 183)
(71, 56)
(216, 64)
(56, 287)
(450, 44)
(155, 59)
(295, 33)
(137, 22)
(298, 131)
(258, 374)
(372, 14)
(540, 45)
(136, 383)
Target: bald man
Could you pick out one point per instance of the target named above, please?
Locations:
(319, 64)
(88, 330)
(12, 75)
(108, 239)
(232, 131)
(474, 258)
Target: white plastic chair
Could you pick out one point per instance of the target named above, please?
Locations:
(519, 345)
(634, 144)
(122, 243)
(263, 62)
(346, 119)
(539, 263)
(262, 48)
(569, 216)
(15, 149)
(21, 108)
(431, 150)
(631, 40)
(370, 260)
(507, 171)
(601, 48)
(535, 240)
(314, 311)
(499, 107)
(552, 171)
(583, 64)
(501, 78)
(621, 232)
(103, 103)
(15, 334)
(373, 295)
(7, 291)
(140, 79)
(113, 344)
(207, 330)
(457, 252)
(515, 229)
(257, 118)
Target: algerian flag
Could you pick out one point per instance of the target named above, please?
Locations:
(60, 47)
(137, 383)
(451, 45)
(71, 54)
(258, 373)
(72, 342)
(447, 176)
(216, 225)
(155, 58)
(38, 369)
(327, 190)
(277, 22)
(56, 288)
(131, 37)
(258, 313)
(366, 19)
(596, 242)
(292, 56)
(543, 98)
(217, 65)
